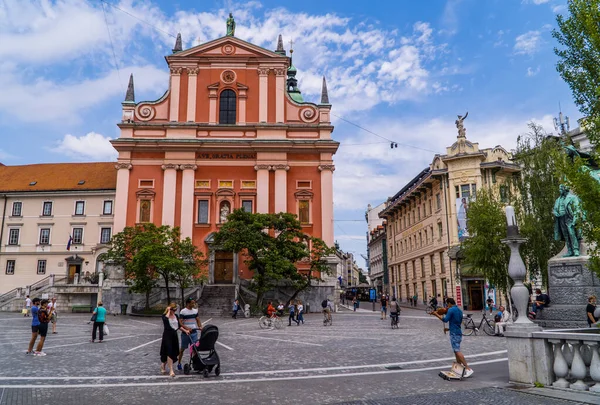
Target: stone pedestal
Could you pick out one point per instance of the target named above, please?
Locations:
(570, 283)
(529, 359)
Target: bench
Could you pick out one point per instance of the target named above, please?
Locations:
(81, 308)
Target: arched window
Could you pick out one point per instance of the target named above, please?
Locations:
(227, 107)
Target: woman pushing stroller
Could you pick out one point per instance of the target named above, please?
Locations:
(169, 347)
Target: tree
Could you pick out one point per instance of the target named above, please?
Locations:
(484, 250)
(362, 278)
(273, 245)
(148, 252)
(537, 189)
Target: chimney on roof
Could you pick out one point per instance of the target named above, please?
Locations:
(130, 95)
(178, 47)
(324, 93)
(280, 49)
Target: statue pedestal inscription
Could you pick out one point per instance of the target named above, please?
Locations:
(570, 283)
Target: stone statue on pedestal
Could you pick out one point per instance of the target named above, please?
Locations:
(460, 126)
(566, 215)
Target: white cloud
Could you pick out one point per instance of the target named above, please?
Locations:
(536, 2)
(559, 8)
(91, 146)
(532, 72)
(528, 43)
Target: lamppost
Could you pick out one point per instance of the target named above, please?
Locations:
(516, 268)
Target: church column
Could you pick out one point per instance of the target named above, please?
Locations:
(242, 96)
(280, 90)
(262, 188)
(174, 96)
(212, 105)
(263, 93)
(281, 187)
(169, 186)
(187, 200)
(121, 196)
(327, 203)
(192, 90)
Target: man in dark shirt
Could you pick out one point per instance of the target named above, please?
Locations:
(589, 311)
(454, 317)
(383, 306)
(541, 302)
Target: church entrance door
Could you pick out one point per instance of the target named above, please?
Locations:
(223, 267)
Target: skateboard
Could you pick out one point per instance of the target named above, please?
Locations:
(457, 372)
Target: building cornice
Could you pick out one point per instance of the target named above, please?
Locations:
(57, 193)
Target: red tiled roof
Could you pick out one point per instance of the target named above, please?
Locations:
(58, 177)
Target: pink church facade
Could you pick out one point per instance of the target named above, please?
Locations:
(232, 131)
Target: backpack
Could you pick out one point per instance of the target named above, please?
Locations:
(324, 304)
(497, 318)
(547, 299)
(265, 312)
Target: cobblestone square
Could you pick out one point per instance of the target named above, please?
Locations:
(359, 358)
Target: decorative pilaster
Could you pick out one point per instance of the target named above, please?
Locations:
(281, 187)
(279, 95)
(212, 103)
(327, 203)
(242, 96)
(121, 196)
(262, 188)
(192, 91)
(174, 97)
(263, 92)
(169, 187)
(187, 200)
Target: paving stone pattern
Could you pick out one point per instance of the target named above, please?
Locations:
(306, 364)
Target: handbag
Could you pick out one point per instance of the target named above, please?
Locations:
(94, 316)
(106, 331)
(24, 311)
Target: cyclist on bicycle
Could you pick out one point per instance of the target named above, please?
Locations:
(433, 302)
(270, 309)
(394, 309)
(327, 308)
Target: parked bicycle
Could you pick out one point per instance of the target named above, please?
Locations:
(468, 325)
(274, 321)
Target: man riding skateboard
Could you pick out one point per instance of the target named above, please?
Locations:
(454, 318)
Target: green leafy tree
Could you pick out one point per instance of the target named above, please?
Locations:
(273, 245)
(148, 252)
(362, 278)
(484, 250)
(536, 189)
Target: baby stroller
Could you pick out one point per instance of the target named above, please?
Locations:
(206, 343)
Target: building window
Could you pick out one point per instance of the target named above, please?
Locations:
(10, 267)
(438, 201)
(105, 234)
(79, 207)
(203, 211)
(432, 263)
(440, 230)
(17, 209)
(442, 266)
(13, 236)
(41, 267)
(414, 269)
(504, 194)
(227, 106)
(47, 209)
(247, 205)
(422, 267)
(304, 211)
(146, 184)
(77, 236)
(45, 236)
(145, 210)
(107, 208)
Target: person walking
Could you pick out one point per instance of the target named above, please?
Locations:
(35, 325)
(236, 308)
(292, 317)
(169, 346)
(44, 314)
(394, 309)
(454, 318)
(53, 316)
(300, 309)
(27, 307)
(190, 324)
(415, 300)
(100, 313)
(589, 311)
(383, 307)
(354, 303)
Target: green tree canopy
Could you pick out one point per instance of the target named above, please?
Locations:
(274, 246)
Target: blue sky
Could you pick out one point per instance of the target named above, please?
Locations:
(403, 69)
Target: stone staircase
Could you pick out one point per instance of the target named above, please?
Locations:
(216, 300)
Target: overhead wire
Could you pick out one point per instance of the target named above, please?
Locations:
(112, 45)
(139, 19)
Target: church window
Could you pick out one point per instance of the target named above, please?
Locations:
(247, 205)
(304, 211)
(145, 207)
(227, 107)
(203, 211)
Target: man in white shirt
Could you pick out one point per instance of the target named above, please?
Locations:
(504, 320)
(189, 320)
(54, 317)
(27, 306)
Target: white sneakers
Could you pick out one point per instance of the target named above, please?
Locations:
(468, 372)
(39, 354)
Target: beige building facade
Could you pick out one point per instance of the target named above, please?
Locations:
(56, 220)
(426, 222)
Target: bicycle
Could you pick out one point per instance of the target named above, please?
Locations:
(266, 322)
(394, 318)
(327, 320)
(468, 325)
(430, 308)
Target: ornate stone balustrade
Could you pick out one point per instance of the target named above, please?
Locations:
(574, 359)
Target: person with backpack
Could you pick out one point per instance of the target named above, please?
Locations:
(327, 308)
(394, 309)
(541, 302)
(383, 307)
(292, 317)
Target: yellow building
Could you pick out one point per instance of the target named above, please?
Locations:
(426, 222)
